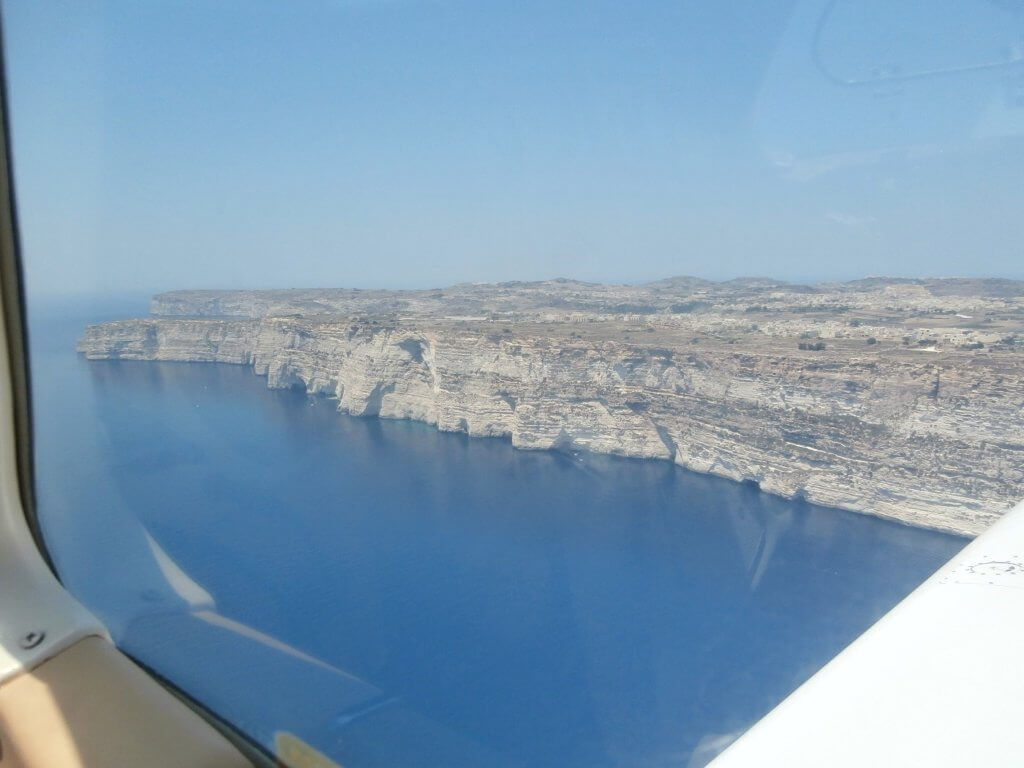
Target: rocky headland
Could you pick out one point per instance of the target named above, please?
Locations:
(898, 398)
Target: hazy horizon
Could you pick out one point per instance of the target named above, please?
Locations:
(416, 143)
(137, 295)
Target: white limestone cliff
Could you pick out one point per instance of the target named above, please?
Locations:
(930, 441)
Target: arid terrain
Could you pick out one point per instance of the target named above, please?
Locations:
(899, 398)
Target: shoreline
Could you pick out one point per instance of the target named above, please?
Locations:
(815, 392)
(567, 452)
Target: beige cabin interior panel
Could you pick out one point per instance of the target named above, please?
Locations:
(91, 707)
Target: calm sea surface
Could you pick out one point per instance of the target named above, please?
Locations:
(400, 597)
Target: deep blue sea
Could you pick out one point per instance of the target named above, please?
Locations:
(400, 597)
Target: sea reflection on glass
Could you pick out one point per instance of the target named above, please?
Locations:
(398, 596)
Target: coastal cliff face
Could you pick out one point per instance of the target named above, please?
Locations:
(928, 437)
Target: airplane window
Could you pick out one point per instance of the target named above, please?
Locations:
(453, 383)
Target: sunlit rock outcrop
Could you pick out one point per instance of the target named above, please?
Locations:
(929, 434)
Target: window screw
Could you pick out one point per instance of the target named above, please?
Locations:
(32, 639)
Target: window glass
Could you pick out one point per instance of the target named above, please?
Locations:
(515, 383)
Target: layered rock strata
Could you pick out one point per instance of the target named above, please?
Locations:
(927, 435)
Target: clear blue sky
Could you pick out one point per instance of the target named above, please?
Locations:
(164, 145)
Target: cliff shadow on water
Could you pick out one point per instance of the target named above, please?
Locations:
(658, 481)
(311, 425)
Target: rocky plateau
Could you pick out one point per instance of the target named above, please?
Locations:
(892, 397)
